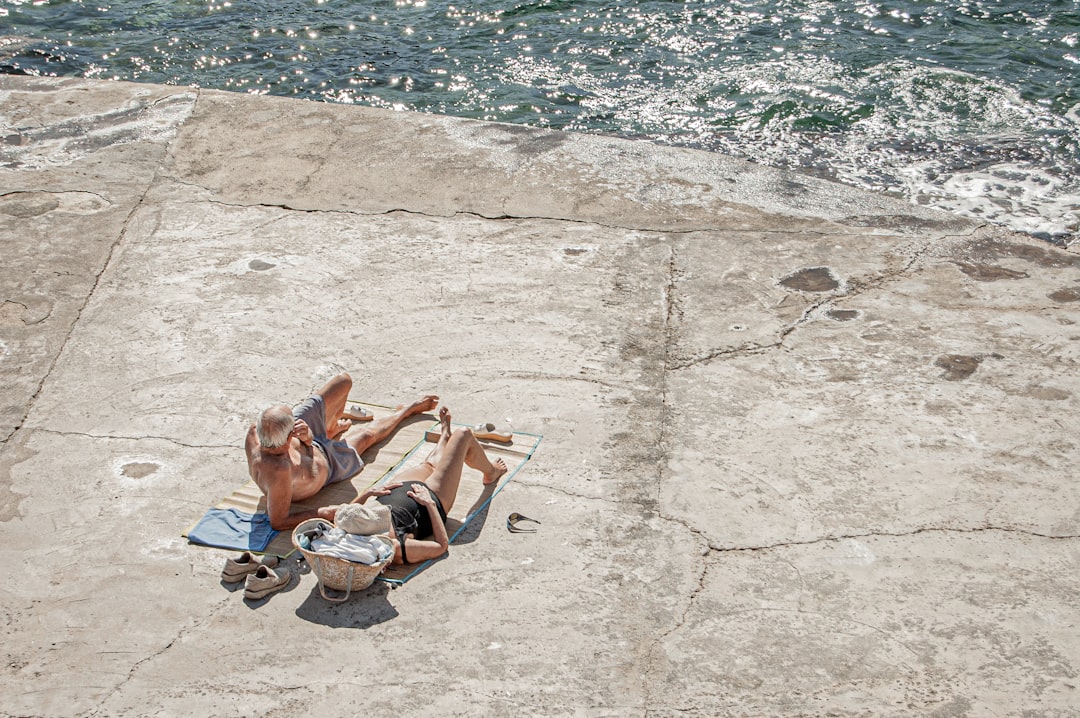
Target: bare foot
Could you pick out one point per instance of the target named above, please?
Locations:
(444, 417)
(421, 405)
(343, 425)
(498, 468)
(444, 437)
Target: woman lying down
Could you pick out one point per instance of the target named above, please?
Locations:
(423, 495)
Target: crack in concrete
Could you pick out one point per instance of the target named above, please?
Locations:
(744, 350)
(647, 678)
(673, 313)
(878, 534)
(478, 215)
(507, 217)
(855, 288)
(542, 376)
(97, 278)
(87, 435)
(100, 196)
(161, 651)
(79, 312)
(571, 494)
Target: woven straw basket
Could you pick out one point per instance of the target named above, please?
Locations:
(337, 573)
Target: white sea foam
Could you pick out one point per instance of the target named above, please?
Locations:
(964, 117)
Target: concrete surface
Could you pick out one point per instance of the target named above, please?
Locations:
(807, 451)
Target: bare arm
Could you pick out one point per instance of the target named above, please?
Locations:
(424, 550)
(383, 490)
(274, 480)
(279, 501)
(251, 447)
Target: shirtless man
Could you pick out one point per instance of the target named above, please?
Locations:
(291, 453)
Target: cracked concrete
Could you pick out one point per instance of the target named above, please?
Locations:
(807, 451)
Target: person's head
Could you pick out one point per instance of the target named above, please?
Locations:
(274, 427)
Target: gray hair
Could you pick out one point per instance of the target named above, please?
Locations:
(274, 426)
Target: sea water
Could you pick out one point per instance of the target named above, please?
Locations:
(972, 106)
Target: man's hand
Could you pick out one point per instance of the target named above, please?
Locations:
(328, 513)
(302, 432)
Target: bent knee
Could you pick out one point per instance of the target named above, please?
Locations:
(362, 439)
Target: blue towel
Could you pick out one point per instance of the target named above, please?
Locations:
(229, 528)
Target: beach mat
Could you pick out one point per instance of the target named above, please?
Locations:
(473, 498)
(239, 521)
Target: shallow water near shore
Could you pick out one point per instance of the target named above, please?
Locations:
(966, 105)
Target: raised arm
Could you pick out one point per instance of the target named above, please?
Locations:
(273, 477)
(251, 446)
(424, 550)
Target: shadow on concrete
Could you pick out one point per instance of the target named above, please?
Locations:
(472, 531)
(363, 609)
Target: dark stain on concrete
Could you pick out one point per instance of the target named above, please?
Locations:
(1046, 393)
(842, 315)
(526, 141)
(1064, 296)
(573, 251)
(11, 313)
(792, 188)
(28, 204)
(900, 222)
(139, 469)
(1042, 256)
(989, 272)
(260, 266)
(811, 279)
(957, 366)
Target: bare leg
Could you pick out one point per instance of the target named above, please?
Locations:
(444, 419)
(335, 432)
(377, 430)
(335, 393)
(455, 449)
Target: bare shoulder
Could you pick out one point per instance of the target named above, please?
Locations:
(269, 471)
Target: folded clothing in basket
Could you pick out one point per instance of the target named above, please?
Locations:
(368, 550)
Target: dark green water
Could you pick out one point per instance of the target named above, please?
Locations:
(968, 105)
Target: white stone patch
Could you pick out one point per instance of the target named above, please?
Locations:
(65, 141)
(689, 464)
(80, 202)
(851, 552)
(167, 548)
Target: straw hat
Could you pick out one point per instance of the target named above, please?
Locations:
(363, 520)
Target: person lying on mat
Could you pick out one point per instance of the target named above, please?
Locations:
(422, 496)
(293, 453)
